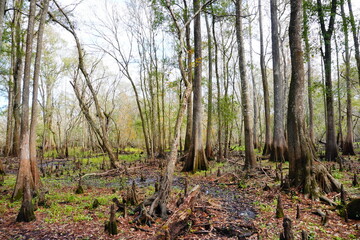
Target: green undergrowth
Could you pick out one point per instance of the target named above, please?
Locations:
(66, 206)
(130, 157)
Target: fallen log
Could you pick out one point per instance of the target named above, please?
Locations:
(177, 222)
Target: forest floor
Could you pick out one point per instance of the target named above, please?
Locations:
(232, 204)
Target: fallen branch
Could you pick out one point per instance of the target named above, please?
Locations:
(178, 221)
(110, 172)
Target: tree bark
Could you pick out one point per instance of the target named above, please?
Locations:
(2, 13)
(17, 49)
(196, 159)
(331, 151)
(219, 135)
(309, 74)
(279, 148)
(267, 145)
(348, 148)
(340, 135)
(255, 104)
(299, 147)
(24, 173)
(250, 160)
(34, 110)
(189, 113)
(355, 37)
(304, 173)
(209, 128)
(9, 118)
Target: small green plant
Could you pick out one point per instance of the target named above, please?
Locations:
(337, 175)
(82, 217)
(242, 184)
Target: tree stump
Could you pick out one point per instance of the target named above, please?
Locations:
(111, 227)
(353, 209)
(343, 195)
(287, 234)
(79, 189)
(95, 204)
(297, 212)
(355, 181)
(279, 208)
(304, 235)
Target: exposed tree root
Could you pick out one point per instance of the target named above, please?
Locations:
(325, 181)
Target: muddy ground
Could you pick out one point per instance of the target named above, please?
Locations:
(232, 203)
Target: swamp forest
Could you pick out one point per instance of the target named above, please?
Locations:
(177, 119)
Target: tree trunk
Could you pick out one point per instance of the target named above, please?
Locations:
(24, 173)
(340, 135)
(331, 151)
(189, 114)
(26, 213)
(196, 159)
(2, 13)
(250, 160)
(267, 145)
(304, 173)
(309, 74)
(208, 148)
(101, 132)
(17, 50)
(9, 119)
(255, 104)
(355, 37)
(299, 147)
(34, 110)
(279, 148)
(220, 151)
(348, 148)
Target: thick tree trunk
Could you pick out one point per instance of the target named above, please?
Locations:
(300, 149)
(34, 109)
(267, 145)
(196, 159)
(26, 213)
(250, 160)
(24, 173)
(348, 148)
(331, 151)
(279, 148)
(304, 173)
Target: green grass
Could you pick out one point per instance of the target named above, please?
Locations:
(130, 157)
(133, 150)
